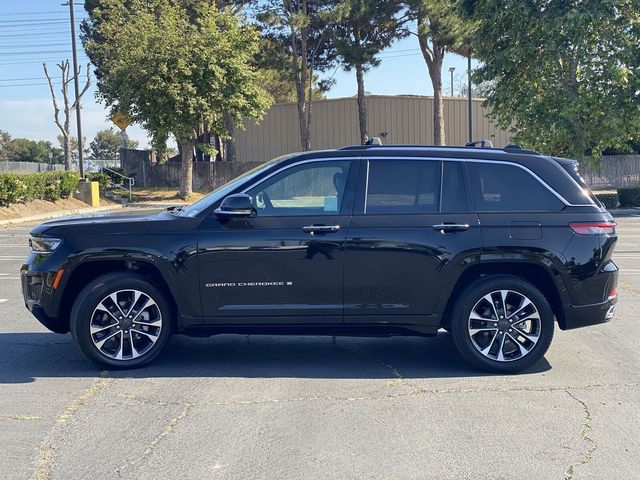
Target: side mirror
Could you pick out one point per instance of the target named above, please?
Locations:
(238, 205)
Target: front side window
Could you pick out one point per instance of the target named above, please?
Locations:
(403, 186)
(500, 187)
(315, 188)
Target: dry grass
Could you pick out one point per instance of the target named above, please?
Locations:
(36, 207)
(141, 195)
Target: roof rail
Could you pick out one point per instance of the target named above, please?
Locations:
(483, 144)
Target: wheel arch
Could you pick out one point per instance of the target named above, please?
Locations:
(544, 277)
(91, 268)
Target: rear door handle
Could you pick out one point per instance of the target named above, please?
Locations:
(451, 227)
(313, 229)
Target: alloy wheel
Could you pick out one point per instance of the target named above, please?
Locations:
(504, 325)
(125, 324)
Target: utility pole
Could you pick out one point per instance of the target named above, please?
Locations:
(451, 70)
(76, 74)
(469, 93)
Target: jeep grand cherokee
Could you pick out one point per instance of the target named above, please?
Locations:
(493, 245)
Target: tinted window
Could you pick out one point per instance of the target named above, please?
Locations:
(315, 188)
(403, 186)
(455, 196)
(507, 188)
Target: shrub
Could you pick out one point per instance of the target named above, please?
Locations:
(610, 200)
(102, 178)
(20, 187)
(629, 197)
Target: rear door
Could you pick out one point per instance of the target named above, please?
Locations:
(412, 225)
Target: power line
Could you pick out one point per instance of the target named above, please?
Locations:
(36, 21)
(25, 79)
(40, 33)
(31, 45)
(24, 85)
(35, 52)
(23, 25)
(28, 13)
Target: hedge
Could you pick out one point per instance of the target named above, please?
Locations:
(629, 197)
(21, 187)
(610, 200)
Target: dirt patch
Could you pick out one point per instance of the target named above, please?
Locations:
(140, 195)
(37, 207)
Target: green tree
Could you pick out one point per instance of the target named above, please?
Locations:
(441, 28)
(27, 150)
(303, 30)
(106, 145)
(564, 75)
(5, 140)
(174, 69)
(364, 29)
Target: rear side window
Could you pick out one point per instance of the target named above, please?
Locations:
(403, 186)
(506, 188)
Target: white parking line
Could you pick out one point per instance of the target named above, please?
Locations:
(2, 300)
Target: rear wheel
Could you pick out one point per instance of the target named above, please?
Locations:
(121, 320)
(502, 324)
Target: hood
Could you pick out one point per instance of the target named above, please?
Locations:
(104, 222)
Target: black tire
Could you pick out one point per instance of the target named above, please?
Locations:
(84, 308)
(472, 297)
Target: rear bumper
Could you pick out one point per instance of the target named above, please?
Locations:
(585, 315)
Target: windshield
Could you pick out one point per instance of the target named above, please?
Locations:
(223, 190)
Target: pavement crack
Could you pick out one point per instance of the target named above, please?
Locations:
(157, 439)
(45, 452)
(585, 434)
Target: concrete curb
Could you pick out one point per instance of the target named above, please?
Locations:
(57, 213)
(625, 212)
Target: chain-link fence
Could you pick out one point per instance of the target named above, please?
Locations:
(28, 167)
(90, 165)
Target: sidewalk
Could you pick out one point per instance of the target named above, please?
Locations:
(625, 212)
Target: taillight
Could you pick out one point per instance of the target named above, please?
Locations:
(593, 228)
(613, 294)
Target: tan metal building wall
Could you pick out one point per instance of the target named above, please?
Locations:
(396, 119)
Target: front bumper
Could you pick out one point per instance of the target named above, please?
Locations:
(585, 315)
(41, 299)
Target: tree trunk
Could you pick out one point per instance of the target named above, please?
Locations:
(434, 64)
(362, 104)
(230, 140)
(300, 76)
(67, 152)
(186, 172)
(438, 108)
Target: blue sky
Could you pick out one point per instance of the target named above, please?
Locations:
(37, 31)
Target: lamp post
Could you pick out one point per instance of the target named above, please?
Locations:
(469, 93)
(451, 70)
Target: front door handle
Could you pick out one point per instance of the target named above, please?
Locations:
(313, 229)
(451, 227)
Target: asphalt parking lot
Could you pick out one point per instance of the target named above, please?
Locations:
(317, 407)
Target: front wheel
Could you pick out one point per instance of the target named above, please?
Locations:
(121, 320)
(502, 324)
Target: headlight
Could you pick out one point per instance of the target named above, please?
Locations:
(44, 245)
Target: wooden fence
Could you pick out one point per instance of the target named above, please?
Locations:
(206, 175)
(614, 171)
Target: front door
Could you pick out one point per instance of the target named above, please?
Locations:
(285, 264)
(412, 224)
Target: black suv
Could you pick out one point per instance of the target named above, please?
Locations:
(489, 244)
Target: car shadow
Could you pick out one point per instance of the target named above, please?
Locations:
(27, 356)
